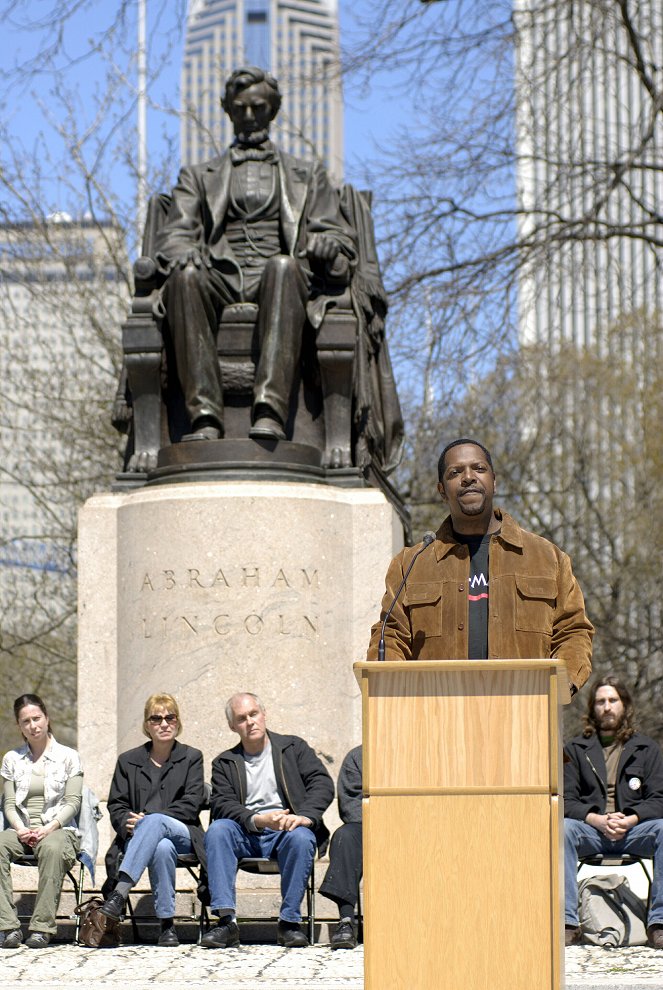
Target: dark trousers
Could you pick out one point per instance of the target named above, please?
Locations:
(345, 865)
(194, 299)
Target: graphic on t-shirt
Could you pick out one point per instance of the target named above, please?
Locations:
(477, 582)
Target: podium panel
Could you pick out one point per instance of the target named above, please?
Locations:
(476, 884)
(462, 824)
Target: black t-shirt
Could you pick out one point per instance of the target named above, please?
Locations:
(477, 595)
(154, 802)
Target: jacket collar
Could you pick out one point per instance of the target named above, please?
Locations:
(51, 753)
(510, 533)
(278, 742)
(594, 743)
(141, 756)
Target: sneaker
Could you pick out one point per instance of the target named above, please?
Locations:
(12, 939)
(345, 936)
(38, 940)
(290, 935)
(655, 936)
(225, 935)
(113, 906)
(572, 935)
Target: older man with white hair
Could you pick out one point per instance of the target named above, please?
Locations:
(269, 794)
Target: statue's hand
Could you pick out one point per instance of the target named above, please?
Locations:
(322, 247)
(193, 256)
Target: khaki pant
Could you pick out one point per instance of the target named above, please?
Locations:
(55, 855)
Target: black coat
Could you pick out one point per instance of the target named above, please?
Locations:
(639, 784)
(350, 787)
(182, 796)
(303, 784)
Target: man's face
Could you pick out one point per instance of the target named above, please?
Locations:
(249, 722)
(251, 113)
(468, 485)
(608, 709)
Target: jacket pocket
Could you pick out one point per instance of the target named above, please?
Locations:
(423, 599)
(535, 603)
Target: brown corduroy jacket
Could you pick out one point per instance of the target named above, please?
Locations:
(536, 609)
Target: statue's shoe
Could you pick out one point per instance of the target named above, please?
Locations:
(266, 428)
(204, 433)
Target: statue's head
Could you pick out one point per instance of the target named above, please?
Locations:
(251, 100)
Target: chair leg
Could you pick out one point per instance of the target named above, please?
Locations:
(203, 922)
(134, 926)
(310, 904)
(78, 891)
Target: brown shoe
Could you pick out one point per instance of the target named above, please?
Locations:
(655, 936)
(572, 935)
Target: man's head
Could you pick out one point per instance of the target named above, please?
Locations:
(246, 716)
(610, 709)
(252, 100)
(467, 484)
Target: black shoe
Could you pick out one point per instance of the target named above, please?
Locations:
(113, 906)
(572, 935)
(168, 937)
(38, 940)
(290, 935)
(223, 936)
(12, 939)
(345, 936)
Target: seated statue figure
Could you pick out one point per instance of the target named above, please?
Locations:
(253, 225)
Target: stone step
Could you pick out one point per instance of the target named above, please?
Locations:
(258, 895)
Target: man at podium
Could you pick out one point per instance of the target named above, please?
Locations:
(484, 588)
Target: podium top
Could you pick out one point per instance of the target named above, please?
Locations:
(362, 667)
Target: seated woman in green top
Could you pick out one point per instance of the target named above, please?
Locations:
(43, 784)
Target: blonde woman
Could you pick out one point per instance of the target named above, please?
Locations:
(154, 803)
(43, 784)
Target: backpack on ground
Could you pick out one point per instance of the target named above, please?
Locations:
(610, 913)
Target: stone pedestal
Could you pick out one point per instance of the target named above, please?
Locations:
(205, 589)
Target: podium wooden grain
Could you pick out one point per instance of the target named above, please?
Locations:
(463, 824)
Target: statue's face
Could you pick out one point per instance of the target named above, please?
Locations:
(251, 113)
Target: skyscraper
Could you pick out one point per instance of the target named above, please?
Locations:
(590, 193)
(61, 300)
(295, 40)
(589, 147)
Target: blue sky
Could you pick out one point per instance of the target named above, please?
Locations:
(36, 109)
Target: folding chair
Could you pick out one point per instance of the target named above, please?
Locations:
(190, 863)
(258, 864)
(30, 860)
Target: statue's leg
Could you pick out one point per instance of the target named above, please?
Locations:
(194, 298)
(282, 298)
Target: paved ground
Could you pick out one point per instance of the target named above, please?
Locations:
(261, 967)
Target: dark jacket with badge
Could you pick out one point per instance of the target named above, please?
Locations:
(639, 784)
(181, 793)
(535, 609)
(303, 783)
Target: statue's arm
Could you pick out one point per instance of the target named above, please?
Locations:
(182, 237)
(327, 233)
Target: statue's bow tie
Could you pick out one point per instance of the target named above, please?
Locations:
(243, 153)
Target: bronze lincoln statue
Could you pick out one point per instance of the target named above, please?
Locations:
(253, 225)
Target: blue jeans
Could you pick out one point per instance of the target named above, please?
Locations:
(155, 845)
(227, 842)
(644, 839)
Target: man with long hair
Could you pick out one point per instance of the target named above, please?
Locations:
(613, 798)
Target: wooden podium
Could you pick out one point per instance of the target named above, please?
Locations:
(462, 775)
